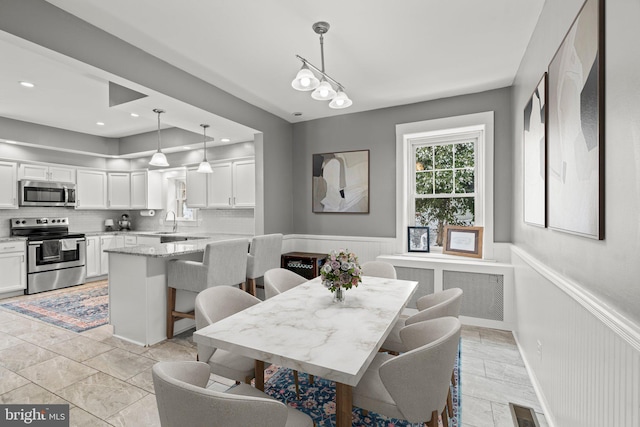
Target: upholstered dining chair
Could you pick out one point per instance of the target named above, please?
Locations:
(414, 385)
(184, 400)
(379, 269)
(224, 264)
(276, 281)
(264, 255)
(213, 305)
(432, 306)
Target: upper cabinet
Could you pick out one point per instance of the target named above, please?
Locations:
(91, 189)
(119, 190)
(231, 185)
(146, 190)
(9, 187)
(41, 172)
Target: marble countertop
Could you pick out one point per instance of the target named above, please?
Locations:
(171, 249)
(304, 329)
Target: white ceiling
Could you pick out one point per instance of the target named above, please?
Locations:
(385, 53)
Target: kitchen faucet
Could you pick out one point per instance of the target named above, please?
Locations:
(175, 220)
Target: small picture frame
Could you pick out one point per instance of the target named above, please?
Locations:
(464, 241)
(418, 239)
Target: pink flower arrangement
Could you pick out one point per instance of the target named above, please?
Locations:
(341, 270)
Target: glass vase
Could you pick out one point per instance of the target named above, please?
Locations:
(339, 295)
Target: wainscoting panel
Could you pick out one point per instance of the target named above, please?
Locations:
(583, 359)
(366, 248)
(425, 280)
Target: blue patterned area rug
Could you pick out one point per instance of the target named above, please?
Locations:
(77, 309)
(318, 399)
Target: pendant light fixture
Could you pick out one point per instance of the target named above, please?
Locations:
(323, 89)
(205, 166)
(159, 159)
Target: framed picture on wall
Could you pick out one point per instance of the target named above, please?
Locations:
(418, 239)
(340, 182)
(465, 241)
(535, 156)
(575, 138)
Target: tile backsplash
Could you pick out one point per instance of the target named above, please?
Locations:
(209, 221)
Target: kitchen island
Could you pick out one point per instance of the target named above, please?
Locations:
(138, 287)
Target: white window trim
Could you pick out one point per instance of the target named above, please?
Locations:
(431, 128)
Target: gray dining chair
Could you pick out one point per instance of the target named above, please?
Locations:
(414, 385)
(224, 264)
(184, 400)
(432, 306)
(278, 280)
(379, 269)
(264, 254)
(213, 305)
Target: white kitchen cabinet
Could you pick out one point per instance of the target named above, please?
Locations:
(119, 190)
(196, 188)
(42, 172)
(9, 187)
(232, 185)
(108, 241)
(94, 253)
(146, 190)
(130, 241)
(244, 184)
(13, 266)
(220, 186)
(91, 189)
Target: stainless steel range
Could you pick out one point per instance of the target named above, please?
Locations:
(55, 257)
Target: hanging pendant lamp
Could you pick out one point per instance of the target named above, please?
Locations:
(159, 159)
(323, 88)
(205, 166)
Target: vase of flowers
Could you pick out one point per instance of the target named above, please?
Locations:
(340, 272)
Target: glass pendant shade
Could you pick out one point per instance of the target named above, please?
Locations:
(159, 159)
(305, 80)
(324, 91)
(204, 167)
(341, 100)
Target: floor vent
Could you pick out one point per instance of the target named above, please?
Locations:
(523, 416)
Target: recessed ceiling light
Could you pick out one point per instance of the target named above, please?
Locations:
(225, 140)
(8, 141)
(100, 123)
(297, 113)
(186, 147)
(27, 84)
(135, 115)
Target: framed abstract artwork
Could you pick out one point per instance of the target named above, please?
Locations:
(535, 157)
(340, 182)
(575, 138)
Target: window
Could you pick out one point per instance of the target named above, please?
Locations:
(445, 176)
(176, 198)
(443, 183)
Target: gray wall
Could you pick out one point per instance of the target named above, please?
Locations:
(375, 130)
(53, 28)
(609, 269)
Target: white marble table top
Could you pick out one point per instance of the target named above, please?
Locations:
(304, 329)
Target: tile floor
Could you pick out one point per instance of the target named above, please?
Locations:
(107, 381)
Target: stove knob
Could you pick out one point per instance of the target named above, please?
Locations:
(18, 222)
(24, 222)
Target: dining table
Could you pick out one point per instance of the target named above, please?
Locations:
(306, 330)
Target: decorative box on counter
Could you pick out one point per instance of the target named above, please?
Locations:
(306, 264)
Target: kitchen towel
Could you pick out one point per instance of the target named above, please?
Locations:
(50, 249)
(68, 244)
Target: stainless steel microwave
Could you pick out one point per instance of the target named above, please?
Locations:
(45, 193)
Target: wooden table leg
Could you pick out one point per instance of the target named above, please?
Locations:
(344, 404)
(259, 375)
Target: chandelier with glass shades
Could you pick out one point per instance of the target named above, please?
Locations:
(205, 166)
(323, 88)
(159, 159)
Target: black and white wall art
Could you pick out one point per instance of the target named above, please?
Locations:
(575, 139)
(534, 156)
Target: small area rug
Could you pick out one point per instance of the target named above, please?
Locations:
(77, 309)
(318, 400)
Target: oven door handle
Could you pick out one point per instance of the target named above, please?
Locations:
(36, 242)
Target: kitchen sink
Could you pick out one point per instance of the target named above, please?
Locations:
(164, 238)
(165, 232)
